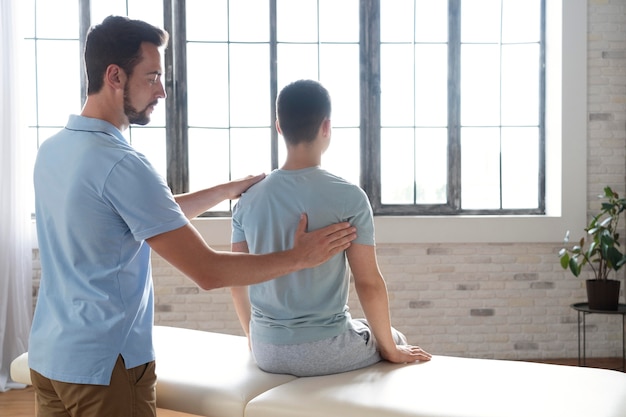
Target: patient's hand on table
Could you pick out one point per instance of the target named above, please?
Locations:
(406, 353)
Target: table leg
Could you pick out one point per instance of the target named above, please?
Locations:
(623, 346)
(584, 339)
(578, 322)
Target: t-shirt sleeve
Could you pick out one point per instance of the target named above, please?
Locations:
(360, 216)
(142, 198)
(237, 235)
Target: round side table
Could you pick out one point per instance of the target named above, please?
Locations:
(584, 310)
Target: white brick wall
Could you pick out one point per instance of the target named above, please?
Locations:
(607, 95)
(496, 301)
(506, 301)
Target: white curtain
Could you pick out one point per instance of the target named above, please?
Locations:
(15, 241)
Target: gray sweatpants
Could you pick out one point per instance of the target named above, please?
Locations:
(353, 349)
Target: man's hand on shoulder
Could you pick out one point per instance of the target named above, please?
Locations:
(238, 187)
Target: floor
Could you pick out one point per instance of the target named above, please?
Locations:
(20, 403)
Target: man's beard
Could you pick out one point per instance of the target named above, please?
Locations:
(136, 117)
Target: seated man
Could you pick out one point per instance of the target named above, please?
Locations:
(299, 324)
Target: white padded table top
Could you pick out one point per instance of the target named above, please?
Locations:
(451, 387)
(187, 362)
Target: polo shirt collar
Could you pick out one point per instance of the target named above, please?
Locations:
(89, 124)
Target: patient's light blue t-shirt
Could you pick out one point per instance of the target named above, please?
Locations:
(307, 305)
(97, 200)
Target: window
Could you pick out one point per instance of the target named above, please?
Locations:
(438, 107)
(239, 59)
(461, 107)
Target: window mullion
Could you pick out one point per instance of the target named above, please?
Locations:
(273, 84)
(369, 46)
(84, 10)
(542, 113)
(454, 104)
(174, 17)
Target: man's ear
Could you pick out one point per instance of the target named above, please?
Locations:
(326, 127)
(115, 77)
(278, 127)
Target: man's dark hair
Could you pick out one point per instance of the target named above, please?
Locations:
(117, 40)
(301, 107)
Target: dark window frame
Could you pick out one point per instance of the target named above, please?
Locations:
(370, 129)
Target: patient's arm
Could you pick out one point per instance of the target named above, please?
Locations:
(240, 295)
(372, 291)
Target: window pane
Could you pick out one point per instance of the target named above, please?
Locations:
(339, 20)
(59, 90)
(249, 90)
(100, 9)
(520, 84)
(414, 166)
(207, 84)
(296, 21)
(296, 62)
(431, 85)
(250, 151)
(207, 20)
(396, 21)
(397, 166)
(342, 157)
(521, 21)
(480, 168)
(431, 166)
(431, 21)
(150, 141)
(26, 11)
(339, 72)
(50, 14)
(396, 85)
(147, 10)
(248, 20)
(29, 82)
(520, 165)
(282, 151)
(480, 85)
(209, 163)
(481, 21)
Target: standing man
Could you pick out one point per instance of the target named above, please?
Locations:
(299, 323)
(100, 207)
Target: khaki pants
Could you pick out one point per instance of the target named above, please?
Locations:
(132, 393)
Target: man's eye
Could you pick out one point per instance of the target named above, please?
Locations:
(154, 79)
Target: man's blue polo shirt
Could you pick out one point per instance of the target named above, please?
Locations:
(97, 199)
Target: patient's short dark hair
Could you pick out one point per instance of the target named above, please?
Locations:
(301, 107)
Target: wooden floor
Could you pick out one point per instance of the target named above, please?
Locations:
(21, 403)
(603, 363)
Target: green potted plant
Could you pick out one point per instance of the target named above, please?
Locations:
(601, 251)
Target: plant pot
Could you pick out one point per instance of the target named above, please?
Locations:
(603, 294)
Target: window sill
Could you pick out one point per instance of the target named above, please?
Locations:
(444, 229)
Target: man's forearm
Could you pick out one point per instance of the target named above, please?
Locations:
(196, 203)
